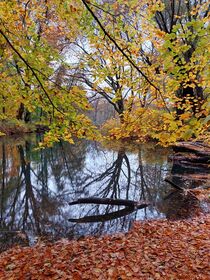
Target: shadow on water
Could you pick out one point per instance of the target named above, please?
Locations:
(36, 187)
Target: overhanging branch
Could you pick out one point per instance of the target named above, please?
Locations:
(123, 52)
(118, 47)
(32, 70)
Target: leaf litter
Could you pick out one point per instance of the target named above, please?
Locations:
(159, 249)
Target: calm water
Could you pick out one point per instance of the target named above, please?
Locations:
(37, 185)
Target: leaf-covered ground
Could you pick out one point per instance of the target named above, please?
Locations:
(151, 250)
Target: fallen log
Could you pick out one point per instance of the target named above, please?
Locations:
(198, 148)
(110, 201)
(200, 177)
(191, 158)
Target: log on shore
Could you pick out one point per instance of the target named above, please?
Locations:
(198, 177)
(198, 148)
(192, 156)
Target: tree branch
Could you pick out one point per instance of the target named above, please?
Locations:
(32, 70)
(111, 201)
(118, 47)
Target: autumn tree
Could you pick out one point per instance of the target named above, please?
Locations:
(165, 43)
(185, 25)
(32, 39)
(107, 74)
(148, 60)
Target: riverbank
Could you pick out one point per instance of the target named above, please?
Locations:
(158, 249)
(16, 127)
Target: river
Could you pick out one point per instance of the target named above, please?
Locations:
(36, 187)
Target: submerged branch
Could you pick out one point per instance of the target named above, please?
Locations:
(184, 190)
(174, 185)
(110, 201)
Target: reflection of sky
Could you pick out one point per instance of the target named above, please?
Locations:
(96, 161)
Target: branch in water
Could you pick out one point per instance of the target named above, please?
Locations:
(110, 201)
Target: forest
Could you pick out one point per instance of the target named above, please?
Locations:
(144, 64)
(104, 139)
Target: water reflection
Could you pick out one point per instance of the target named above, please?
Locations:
(37, 186)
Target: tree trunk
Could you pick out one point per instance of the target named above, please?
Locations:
(120, 106)
(20, 112)
(27, 116)
(192, 95)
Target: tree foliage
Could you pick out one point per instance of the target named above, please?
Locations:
(156, 55)
(32, 39)
(148, 60)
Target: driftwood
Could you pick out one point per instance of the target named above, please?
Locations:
(111, 201)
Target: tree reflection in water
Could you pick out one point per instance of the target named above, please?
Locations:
(37, 186)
